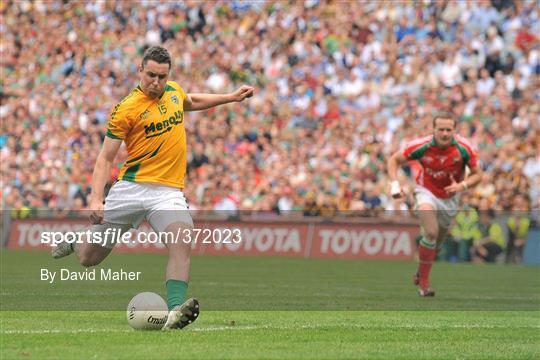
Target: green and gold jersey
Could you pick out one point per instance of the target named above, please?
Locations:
(155, 136)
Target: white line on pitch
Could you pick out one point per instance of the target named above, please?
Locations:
(270, 327)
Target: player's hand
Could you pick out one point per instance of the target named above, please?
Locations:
(454, 187)
(395, 190)
(242, 93)
(96, 211)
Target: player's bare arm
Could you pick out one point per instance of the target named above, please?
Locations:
(100, 176)
(394, 162)
(471, 180)
(195, 102)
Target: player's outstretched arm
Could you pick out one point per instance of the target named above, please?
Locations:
(102, 170)
(394, 162)
(195, 102)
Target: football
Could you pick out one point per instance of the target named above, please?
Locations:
(147, 311)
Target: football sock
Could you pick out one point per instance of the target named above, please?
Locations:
(427, 253)
(176, 292)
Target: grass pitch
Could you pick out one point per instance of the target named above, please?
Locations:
(274, 308)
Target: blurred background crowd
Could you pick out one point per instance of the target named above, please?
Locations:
(339, 86)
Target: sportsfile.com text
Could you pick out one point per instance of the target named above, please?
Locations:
(115, 236)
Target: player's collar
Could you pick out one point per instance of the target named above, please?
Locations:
(141, 90)
(433, 143)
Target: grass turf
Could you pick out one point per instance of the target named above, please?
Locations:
(274, 308)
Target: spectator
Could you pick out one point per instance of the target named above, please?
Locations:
(332, 102)
(518, 230)
(463, 232)
(489, 242)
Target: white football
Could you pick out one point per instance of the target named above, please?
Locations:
(148, 311)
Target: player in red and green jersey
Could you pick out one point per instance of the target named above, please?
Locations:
(442, 158)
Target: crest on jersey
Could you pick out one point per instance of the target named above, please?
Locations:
(145, 114)
(455, 159)
(174, 99)
(442, 159)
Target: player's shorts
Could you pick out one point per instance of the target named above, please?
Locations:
(129, 203)
(446, 208)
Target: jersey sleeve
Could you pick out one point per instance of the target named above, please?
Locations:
(472, 151)
(118, 125)
(473, 159)
(415, 149)
(407, 150)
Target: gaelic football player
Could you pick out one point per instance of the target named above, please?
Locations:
(443, 157)
(150, 121)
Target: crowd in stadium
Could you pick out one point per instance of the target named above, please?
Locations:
(335, 95)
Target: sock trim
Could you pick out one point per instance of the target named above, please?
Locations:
(427, 244)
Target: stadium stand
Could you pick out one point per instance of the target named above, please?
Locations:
(331, 104)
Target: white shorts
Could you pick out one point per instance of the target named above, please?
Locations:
(129, 203)
(446, 208)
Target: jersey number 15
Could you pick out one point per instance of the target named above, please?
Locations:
(162, 109)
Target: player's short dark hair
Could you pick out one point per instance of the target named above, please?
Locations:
(444, 115)
(158, 54)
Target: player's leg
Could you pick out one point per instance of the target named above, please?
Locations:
(182, 312)
(427, 249)
(437, 218)
(441, 237)
(170, 218)
(178, 264)
(123, 210)
(91, 253)
(446, 212)
(427, 207)
(93, 246)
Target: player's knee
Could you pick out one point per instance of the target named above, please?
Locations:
(88, 260)
(179, 250)
(431, 233)
(181, 256)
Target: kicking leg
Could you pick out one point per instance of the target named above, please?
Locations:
(87, 252)
(91, 254)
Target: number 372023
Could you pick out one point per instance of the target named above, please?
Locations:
(211, 236)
